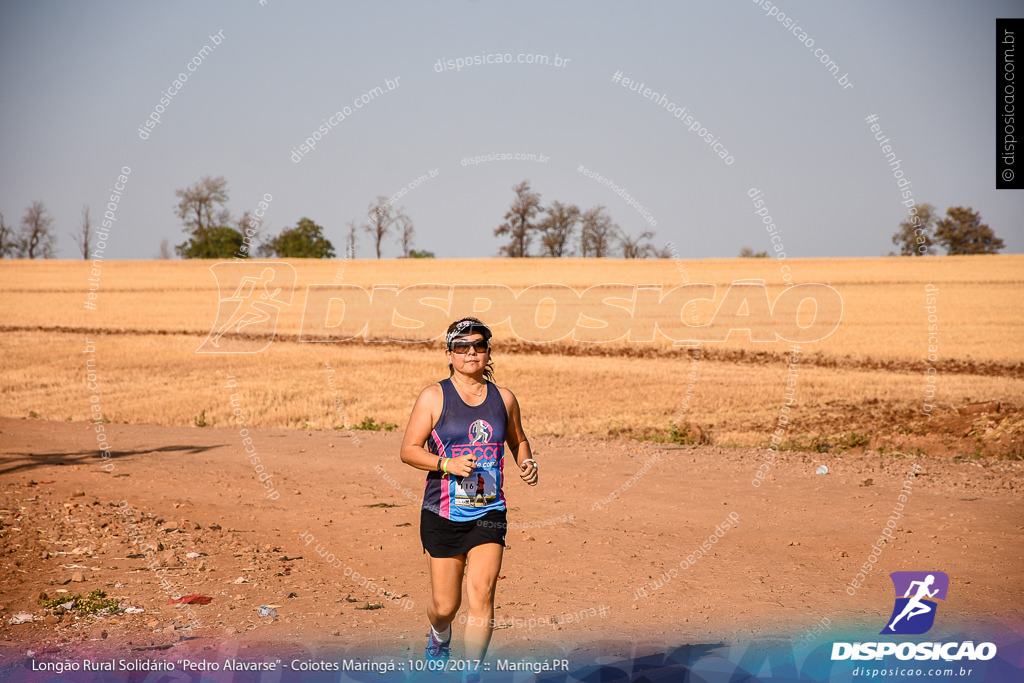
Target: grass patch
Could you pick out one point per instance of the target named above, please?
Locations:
(370, 425)
(683, 435)
(851, 440)
(96, 602)
(836, 443)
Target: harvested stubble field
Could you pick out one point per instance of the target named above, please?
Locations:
(864, 386)
(179, 507)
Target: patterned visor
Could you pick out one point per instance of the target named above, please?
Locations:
(465, 328)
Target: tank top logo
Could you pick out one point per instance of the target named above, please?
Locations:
(480, 432)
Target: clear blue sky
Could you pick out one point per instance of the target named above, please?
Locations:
(78, 79)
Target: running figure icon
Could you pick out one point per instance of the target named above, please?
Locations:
(916, 605)
(480, 431)
(249, 297)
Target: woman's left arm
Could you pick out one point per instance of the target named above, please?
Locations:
(516, 439)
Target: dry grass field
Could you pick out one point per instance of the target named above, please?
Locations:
(178, 506)
(862, 386)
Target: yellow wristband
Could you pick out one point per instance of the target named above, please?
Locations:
(444, 465)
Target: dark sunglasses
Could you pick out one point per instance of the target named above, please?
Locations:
(462, 347)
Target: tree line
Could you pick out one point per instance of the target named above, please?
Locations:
(563, 229)
(213, 234)
(960, 232)
(529, 229)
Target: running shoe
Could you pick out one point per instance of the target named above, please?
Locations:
(437, 649)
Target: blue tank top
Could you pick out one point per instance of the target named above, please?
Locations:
(464, 429)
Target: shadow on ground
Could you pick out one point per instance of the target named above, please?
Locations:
(13, 462)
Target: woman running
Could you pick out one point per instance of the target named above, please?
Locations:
(457, 431)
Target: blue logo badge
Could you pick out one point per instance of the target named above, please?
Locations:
(917, 595)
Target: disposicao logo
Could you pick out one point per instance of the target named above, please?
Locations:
(247, 317)
(916, 595)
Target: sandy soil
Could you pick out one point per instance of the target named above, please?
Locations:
(607, 519)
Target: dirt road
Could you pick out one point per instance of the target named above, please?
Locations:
(605, 553)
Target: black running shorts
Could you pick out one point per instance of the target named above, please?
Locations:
(444, 538)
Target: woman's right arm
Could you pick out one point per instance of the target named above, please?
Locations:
(424, 415)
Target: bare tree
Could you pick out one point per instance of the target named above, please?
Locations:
(82, 236)
(202, 204)
(251, 228)
(37, 238)
(350, 240)
(249, 222)
(517, 221)
(666, 251)
(637, 247)
(8, 240)
(165, 249)
(598, 232)
(405, 234)
(558, 228)
(381, 217)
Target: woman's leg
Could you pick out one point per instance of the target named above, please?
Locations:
(482, 567)
(445, 589)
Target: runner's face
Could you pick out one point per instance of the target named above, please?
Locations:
(471, 362)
